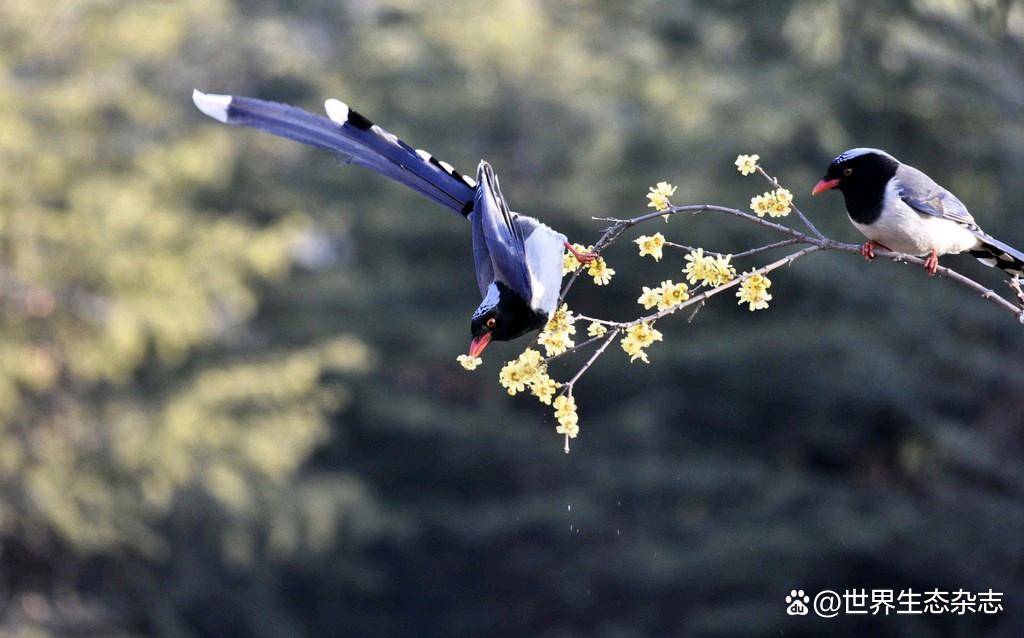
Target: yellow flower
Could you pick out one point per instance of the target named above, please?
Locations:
(555, 342)
(637, 338)
(562, 320)
(544, 387)
(556, 334)
(723, 271)
(754, 291)
(651, 245)
(468, 362)
(518, 373)
(775, 203)
(650, 298)
(569, 261)
(659, 196)
(511, 377)
(634, 349)
(782, 201)
(713, 270)
(596, 329)
(565, 414)
(762, 204)
(747, 164)
(645, 333)
(600, 271)
(673, 294)
(698, 266)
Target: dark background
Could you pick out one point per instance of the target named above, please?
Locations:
(229, 402)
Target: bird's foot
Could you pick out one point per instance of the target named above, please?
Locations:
(583, 258)
(931, 264)
(867, 249)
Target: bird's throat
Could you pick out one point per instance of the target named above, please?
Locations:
(864, 205)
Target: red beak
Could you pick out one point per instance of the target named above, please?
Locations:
(824, 185)
(478, 344)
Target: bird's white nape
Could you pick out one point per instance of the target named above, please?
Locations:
(213, 105)
(336, 110)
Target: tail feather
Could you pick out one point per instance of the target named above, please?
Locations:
(351, 136)
(994, 253)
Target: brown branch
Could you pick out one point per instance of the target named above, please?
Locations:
(619, 226)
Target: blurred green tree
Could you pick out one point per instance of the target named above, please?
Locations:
(228, 396)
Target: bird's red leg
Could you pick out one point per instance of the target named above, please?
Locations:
(583, 258)
(867, 249)
(931, 264)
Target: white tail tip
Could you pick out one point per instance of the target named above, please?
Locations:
(216, 106)
(336, 110)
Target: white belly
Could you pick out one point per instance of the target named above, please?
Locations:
(905, 230)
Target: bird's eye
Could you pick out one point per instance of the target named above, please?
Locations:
(491, 322)
(847, 171)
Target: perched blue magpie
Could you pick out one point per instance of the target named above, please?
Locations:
(899, 208)
(518, 259)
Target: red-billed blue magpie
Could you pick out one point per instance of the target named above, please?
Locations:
(518, 259)
(899, 208)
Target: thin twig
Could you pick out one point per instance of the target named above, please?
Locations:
(695, 311)
(573, 349)
(567, 386)
(745, 253)
(762, 249)
(807, 222)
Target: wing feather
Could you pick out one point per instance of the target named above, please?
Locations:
(501, 236)
(924, 195)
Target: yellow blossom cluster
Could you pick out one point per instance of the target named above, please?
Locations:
(598, 269)
(659, 196)
(637, 338)
(596, 329)
(665, 296)
(469, 362)
(557, 334)
(754, 291)
(568, 420)
(713, 270)
(651, 245)
(747, 164)
(777, 203)
(569, 261)
(528, 370)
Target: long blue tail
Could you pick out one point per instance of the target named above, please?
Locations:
(352, 137)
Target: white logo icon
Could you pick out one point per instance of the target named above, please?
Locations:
(796, 603)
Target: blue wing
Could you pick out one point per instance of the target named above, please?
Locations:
(924, 195)
(497, 236)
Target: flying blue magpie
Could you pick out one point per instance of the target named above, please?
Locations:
(899, 208)
(518, 259)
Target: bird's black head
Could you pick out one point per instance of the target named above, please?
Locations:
(503, 315)
(861, 174)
